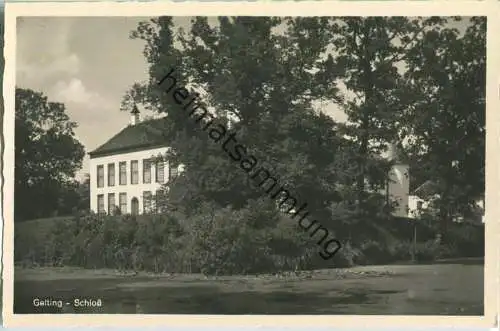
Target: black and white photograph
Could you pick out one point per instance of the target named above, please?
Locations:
(249, 164)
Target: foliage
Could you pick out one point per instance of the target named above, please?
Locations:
(447, 78)
(47, 154)
(219, 241)
(371, 51)
(73, 196)
(373, 73)
(304, 149)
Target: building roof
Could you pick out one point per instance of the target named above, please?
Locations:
(144, 135)
(427, 189)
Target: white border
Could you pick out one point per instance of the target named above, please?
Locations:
(324, 8)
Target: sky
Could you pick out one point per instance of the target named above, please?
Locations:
(88, 63)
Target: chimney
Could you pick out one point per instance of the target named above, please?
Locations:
(135, 115)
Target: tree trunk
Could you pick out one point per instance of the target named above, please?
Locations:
(364, 137)
(365, 116)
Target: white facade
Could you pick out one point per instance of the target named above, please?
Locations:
(134, 193)
(399, 189)
(418, 205)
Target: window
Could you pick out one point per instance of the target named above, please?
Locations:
(146, 171)
(111, 204)
(100, 204)
(100, 176)
(173, 171)
(160, 172)
(146, 196)
(123, 203)
(123, 173)
(134, 172)
(111, 174)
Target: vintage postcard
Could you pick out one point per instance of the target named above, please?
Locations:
(245, 163)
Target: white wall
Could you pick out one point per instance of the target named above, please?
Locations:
(132, 190)
(399, 188)
(413, 202)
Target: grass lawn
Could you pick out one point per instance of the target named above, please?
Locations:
(38, 228)
(439, 289)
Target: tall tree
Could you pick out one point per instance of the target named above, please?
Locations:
(447, 73)
(74, 196)
(265, 74)
(373, 51)
(83, 190)
(261, 72)
(262, 75)
(47, 154)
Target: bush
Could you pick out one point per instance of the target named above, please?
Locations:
(348, 256)
(218, 242)
(221, 242)
(468, 239)
(427, 251)
(400, 250)
(374, 252)
(43, 242)
(226, 241)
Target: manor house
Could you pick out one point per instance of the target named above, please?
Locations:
(126, 172)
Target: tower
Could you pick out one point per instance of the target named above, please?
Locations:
(398, 187)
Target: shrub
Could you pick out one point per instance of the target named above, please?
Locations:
(226, 241)
(400, 250)
(348, 256)
(222, 243)
(426, 251)
(468, 239)
(43, 242)
(374, 252)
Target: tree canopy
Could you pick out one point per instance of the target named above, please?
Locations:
(446, 116)
(47, 154)
(267, 75)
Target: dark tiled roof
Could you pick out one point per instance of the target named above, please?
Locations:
(147, 134)
(427, 189)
